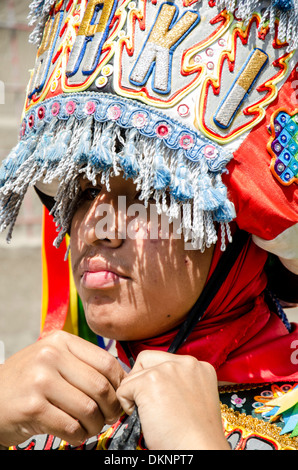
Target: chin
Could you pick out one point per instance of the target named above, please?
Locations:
(104, 321)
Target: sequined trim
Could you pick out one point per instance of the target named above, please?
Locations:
(244, 426)
(234, 420)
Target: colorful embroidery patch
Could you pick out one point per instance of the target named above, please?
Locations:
(260, 416)
(283, 146)
(194, 67)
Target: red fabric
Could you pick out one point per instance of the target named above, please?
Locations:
(57, 278)
(238, 335)
(264, 207)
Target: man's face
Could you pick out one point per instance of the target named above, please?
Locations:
(133, 283)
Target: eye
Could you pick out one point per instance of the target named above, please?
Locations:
(91, 193)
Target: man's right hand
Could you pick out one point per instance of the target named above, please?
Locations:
(62, 385)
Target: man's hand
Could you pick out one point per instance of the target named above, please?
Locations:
(177, 400)
(61, 385)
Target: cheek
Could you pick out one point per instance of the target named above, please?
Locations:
(170, 278)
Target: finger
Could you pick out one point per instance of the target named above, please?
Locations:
(94, 385)
(75, 404)
(57, 422)
(92, 355)
(126, 395)
(148, 359)
(147, 365)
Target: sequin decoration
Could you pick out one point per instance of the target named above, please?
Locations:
(283, 146)
(107, 70)
(183, 110)
(31, 121)
(162, 130)
(70, 107)
(41, 112)
(210, 151)
(186, 141)
(101, 82)
(114, 112)
(139, 120)
(55, 108)
(23, 129)
(90, 107)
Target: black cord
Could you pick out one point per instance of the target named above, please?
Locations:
(215, 282)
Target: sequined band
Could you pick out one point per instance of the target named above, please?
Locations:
(127, 114)
(249, 427)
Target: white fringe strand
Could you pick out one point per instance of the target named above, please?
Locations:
(286, 11)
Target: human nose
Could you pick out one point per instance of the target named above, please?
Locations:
(103, 224)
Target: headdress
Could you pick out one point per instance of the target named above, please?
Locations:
(166, 93)
(196, 101)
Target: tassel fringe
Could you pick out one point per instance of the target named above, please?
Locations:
(285, 10)
(38, 15)
(64, 151)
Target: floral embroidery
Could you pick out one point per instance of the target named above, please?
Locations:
(41, 112)
(139, 120)
(162, 130)
(55, 108)
(186, 141)
(70, 107)
(237, 401)
(90, 107)
(114, 112)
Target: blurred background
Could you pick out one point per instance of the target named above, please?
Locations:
(20, 261)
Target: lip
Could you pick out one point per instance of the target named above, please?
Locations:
(95, 275)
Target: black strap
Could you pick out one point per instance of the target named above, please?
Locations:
(215, 282)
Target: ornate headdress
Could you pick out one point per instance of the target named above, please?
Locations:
(166, 93)
(194, 100)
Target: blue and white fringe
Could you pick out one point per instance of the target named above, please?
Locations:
(60, 148)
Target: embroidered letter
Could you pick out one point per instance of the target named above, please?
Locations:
(45, 53)
(160, 44)
(240, 88)
(91, 37)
